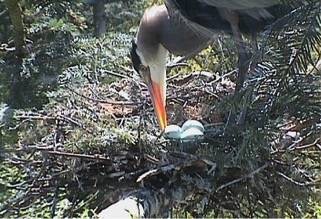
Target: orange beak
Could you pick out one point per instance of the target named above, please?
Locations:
(158, 99)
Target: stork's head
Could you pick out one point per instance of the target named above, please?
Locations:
(152, 70)
(149, 57)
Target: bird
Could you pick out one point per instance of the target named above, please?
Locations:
(184, 27)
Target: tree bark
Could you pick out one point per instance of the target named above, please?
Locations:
(146, 203)
(99, 18)
(156, 202)
(15, 13)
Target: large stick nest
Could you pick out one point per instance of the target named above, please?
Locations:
(95, 143)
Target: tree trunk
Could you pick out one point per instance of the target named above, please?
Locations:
(99, 18)
(15, 13)
(147, 203)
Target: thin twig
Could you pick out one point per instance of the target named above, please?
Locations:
(294, 181)
(224, 76)
(40, 117)
(242, 178)
(123, 103)
(307, 145)
(174, 65)
(72, 121)
(83, 156)
(3, 12)
(115, 74)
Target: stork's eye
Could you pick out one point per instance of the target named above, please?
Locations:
(143, 69)
(144, 73)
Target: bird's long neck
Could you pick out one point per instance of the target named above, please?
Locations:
(157, 65)
(149, 46)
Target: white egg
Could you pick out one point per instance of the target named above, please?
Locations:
(192, 124)
(173, 132)
(191, 134)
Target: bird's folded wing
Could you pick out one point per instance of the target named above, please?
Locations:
(241, 4)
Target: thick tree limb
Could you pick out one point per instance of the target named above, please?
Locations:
(185, 181)
(99, 18)
(146, 203)
(15, 13)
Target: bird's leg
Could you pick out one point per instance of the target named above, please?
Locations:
(243, 57)
(256, 55)
(243, 67)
